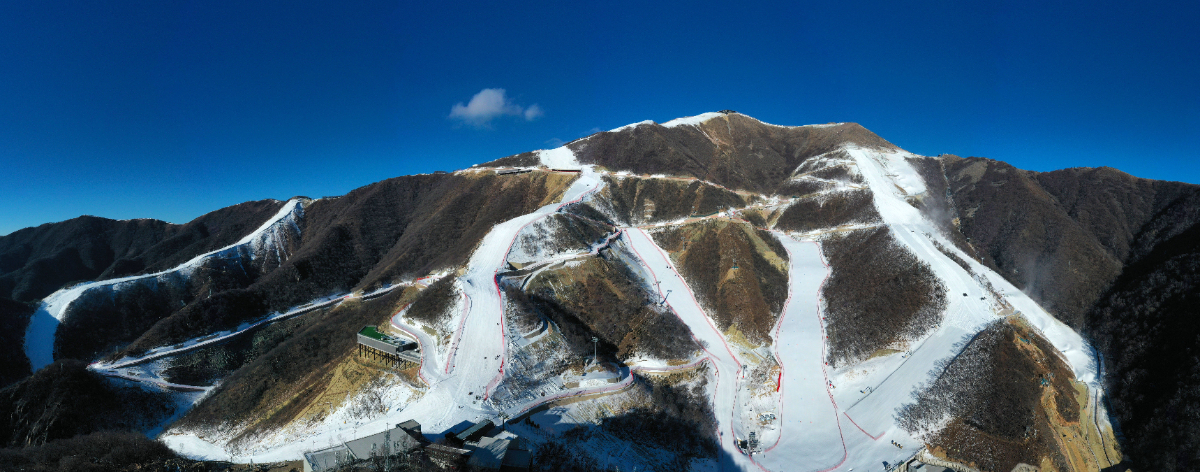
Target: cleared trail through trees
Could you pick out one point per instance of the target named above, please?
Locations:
(811, 436)
(458, 392)
(43, 326)
(726, 365)
(478, 359)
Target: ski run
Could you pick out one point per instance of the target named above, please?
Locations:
(822, 419)
(264, 241)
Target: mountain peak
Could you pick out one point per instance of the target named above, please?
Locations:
(693, 120)
(726, 147)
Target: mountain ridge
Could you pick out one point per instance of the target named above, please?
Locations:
(815, 183)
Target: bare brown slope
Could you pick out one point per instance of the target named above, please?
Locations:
(65, 399)
(636, 201)
(453, 220)
(525, 159)
(35, 262)
(277, 386)
(936, 203)
(1113, 206)
(1000, 394)
(734, 150)
(100, 452)
(878, 295)
(1061, 236)
(376, 234)
(829, 210)
(601, 297)
(1021, 231)
(207, 233)
(1146, 328)
(738, 272)
(1137, 241)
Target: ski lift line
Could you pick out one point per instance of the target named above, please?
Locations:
(452, 354)
(711, 357)
(577, 200)
(707, 318)
(690, 333)
(907, 357)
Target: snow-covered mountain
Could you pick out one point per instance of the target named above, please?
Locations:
(652, 296)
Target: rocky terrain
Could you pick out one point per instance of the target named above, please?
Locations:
(687, 283)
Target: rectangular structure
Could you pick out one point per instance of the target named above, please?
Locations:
(476, 431)
(371, 337)
(327, 459)
(395, 441)
(373, 343)
(389, 442)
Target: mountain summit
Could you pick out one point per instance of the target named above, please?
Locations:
(713, 292)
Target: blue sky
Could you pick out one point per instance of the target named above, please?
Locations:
(169, 110)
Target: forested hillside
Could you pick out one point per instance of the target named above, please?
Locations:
(1116, 257)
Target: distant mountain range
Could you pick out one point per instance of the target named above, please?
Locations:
(648, 296)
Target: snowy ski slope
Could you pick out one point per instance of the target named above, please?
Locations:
(39, 336)
(871, 416)
(828, 419)
(828, 428)
(459, 386)
(683, 303)
(811, 428)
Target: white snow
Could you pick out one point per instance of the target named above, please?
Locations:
(826, 419)
(867, 416)
(631, 126)
(696, 120)
(692, 120)
(191, 446)
(218, 337)
(851, 424)
(560, 157)
(808, 414)
(684, 304)
(473, 368)
(897, 213)
(39, 336)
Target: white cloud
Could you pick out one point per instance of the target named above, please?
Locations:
(533, 112)
(489, 104)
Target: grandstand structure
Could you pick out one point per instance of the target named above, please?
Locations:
(377, 345)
